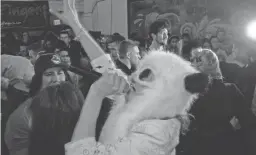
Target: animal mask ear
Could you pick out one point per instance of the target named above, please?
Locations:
(197, 83)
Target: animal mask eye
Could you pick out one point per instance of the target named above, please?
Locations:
(146, 75)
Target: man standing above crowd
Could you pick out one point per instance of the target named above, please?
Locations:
(159, 33)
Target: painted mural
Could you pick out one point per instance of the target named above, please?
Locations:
(199, 18)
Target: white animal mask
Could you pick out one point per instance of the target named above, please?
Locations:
(167, 85)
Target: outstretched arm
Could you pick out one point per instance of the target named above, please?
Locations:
(100, 61)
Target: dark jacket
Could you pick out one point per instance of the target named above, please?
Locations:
(103, 115)
(230, 72)
(247, 81)
(123, 67)
(76, 52)
(211, 132)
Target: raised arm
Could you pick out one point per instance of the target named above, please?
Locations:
(100, 61)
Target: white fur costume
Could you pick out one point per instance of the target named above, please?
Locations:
(136, 127)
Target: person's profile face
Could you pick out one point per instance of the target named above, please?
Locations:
(162, 37)
(134, 55)
(113, 49)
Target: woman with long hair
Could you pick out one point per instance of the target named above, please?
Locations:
(55, 111)
(48, 72)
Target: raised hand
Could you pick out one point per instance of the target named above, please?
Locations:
(69, 15)
(94, 51)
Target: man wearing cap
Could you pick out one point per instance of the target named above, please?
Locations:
(48, 71)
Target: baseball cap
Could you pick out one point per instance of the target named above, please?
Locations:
(46, 61)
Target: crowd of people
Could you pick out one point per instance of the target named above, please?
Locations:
(59, 90)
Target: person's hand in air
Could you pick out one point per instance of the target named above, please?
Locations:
(69, 15)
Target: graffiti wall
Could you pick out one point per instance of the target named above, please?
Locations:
(199, 18)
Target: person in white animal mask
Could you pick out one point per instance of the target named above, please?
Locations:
(145, 118)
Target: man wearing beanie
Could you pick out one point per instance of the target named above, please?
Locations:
(48, 71)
